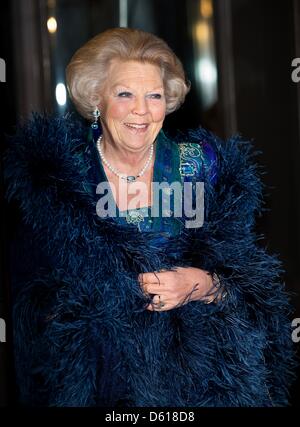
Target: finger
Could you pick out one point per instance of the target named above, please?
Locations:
(208, 300)
(152, 307)
(143, 284)
(154, 277)
(155, 289)
(156, 299)
(150, 290)
(159, 302)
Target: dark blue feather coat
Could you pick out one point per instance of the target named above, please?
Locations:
(75, 286)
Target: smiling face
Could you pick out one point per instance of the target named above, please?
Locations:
(133, 105)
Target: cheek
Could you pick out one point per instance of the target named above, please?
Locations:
(117, 111)
(160, 117)
(159, 113)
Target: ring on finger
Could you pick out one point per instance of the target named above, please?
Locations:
(160, 304)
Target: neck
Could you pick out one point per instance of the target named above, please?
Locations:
(126, 161)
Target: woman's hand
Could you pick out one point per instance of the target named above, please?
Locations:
(172, 289)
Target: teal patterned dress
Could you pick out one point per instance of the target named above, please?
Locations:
(183, 162)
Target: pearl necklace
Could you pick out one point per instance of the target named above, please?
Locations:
(129, 178)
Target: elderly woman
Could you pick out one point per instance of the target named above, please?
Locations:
(137, 279)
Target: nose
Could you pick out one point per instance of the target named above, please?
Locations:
(140, 107)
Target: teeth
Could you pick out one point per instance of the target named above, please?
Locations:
(135, 126)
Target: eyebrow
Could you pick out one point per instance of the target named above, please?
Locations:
(127, 87)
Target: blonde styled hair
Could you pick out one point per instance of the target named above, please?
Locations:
(87, 71)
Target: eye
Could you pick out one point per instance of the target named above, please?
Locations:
(124, 95)
(155, 96)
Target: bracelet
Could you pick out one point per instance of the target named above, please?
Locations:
(218, 285)
(216, 280)
(221, 294)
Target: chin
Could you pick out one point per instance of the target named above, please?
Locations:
(138, 141)
(137, 144)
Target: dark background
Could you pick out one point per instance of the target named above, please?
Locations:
(250, 42)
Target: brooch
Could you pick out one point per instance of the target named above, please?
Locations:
(134, 217)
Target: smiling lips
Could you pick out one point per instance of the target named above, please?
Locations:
(139, 127)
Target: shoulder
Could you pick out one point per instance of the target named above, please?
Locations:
(44, 133)
(198, 156)
(234, 167)
(231, 160)
(44, 153)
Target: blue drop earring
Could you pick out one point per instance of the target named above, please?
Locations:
(96, 115)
